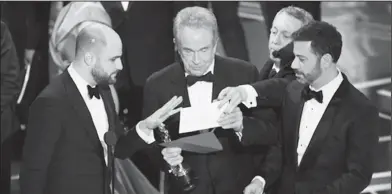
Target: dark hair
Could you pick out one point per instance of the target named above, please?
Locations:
(324, 37)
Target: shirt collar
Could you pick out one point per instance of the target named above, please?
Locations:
(79, 81)
(210, 69)
(275, 67)
(330, 88)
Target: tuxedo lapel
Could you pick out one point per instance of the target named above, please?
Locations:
(294, 120)
(109, 106)
(80, 107)
(219, 78)
(319, 135)
(179, 87)
(264, 72)
(325, 127)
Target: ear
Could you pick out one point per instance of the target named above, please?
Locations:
(89, 59)
(215, 44)
(175, 44)
(326, 61)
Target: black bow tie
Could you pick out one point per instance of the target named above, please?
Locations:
(190, 79)
(308, 94)
(93, 92)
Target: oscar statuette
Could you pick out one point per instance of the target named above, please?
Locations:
(182, 173)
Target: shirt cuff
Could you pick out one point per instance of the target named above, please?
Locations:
(148, 138)
(252, 94)
(260, 179)
(239, 134)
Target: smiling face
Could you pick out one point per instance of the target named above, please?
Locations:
(197, 49)
(282, 28)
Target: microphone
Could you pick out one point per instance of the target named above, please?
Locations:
(110, 139)
(285, 54)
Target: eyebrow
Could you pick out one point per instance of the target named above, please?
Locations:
(282, 31)
(206, 47)
(300, 56)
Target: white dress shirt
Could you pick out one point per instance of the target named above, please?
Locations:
(125, 5)
(311, 113)
(95, 106)
(276, 68)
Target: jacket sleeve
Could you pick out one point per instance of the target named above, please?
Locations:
(259, 123)
(10, 86)
(44, 132)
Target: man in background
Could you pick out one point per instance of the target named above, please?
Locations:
(10, 88)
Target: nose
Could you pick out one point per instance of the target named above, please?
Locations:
(196, 58)
(275, 39)
(294, 64)
(119, 64)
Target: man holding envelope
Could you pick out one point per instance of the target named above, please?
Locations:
(198, 77)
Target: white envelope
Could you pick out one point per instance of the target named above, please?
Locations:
(200, 117)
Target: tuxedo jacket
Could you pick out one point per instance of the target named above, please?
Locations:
(62, 152)
(285, 72)
(10, 86)
(224, 172)
(339, 157)
(273, 158)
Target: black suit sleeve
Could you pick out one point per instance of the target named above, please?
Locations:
(9, 69)
(362, 140)
(260, 123)
(44, 129)
(271, 92)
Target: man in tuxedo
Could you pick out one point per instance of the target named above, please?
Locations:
(329, 128)
(65, 149)
(10, 88)
(198, 78)
(286, 22)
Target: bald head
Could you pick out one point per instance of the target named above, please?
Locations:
(93, 37)
(98, 54)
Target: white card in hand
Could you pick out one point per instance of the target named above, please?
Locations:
(200, 117)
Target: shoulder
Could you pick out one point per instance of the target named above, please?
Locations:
(161, 79)
(54, 90)
(236, 69)
(235, 63)
(165, 73)
(358, 102)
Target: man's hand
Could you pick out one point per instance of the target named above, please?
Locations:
(172, 156)
(255, 187)
(232, 120)
(234, 96)
(159, 116)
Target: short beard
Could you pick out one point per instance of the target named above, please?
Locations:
(98, 77)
